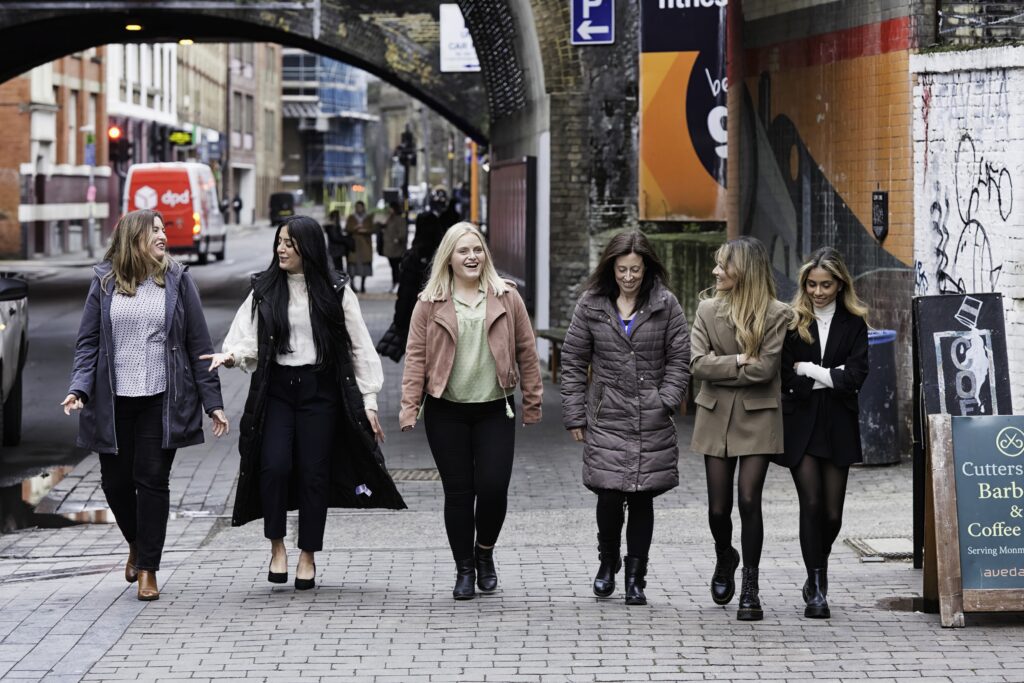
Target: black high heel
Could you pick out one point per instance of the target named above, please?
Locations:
(305, 584)
(276, 577)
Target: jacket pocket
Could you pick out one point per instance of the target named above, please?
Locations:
(760, 403)
(705, 401)
(597, 400)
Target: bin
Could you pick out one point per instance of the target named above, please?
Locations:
(878, 413)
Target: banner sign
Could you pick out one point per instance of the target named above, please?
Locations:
(457, 51)
(990, 500)
(683, 86)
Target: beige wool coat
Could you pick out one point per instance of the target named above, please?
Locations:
(738, 408)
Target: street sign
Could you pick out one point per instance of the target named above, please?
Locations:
(593, 22)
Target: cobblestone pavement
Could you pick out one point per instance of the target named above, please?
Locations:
(382, 610)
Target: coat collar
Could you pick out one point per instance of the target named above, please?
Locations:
(840, 319)
(444, 311)
(655, 302)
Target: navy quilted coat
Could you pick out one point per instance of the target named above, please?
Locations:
(635, 387)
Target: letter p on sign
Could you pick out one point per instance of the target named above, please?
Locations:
(593, 22)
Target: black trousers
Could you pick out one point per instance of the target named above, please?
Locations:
(396, 262)
(473, 446)
(298, 437)
(611, 513)
(136, 479)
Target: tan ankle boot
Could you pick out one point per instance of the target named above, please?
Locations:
(147, 585)
(131, 574)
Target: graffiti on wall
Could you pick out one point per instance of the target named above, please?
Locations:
(959, 255)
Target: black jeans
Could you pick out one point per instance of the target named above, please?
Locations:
(396, 262)
(136, 479)
(473, 446)
(611, 513)
(298, 435)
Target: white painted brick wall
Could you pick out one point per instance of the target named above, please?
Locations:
(969, 182)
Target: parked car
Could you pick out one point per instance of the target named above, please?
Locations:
(282, 207)
(13, 350)
(185, 193)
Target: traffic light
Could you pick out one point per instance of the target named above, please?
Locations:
(120, 147)
(407, 148)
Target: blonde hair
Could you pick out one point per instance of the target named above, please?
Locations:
(748, 302)
(129, 254)
(441, 281)
(829, 260)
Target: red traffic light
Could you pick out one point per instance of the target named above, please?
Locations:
(114, 133)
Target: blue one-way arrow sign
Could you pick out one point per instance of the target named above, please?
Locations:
(593, 22)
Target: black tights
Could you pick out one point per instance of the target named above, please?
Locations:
(639, 530)
(821, 487)
(720, 473)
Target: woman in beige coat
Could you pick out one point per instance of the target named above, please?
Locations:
(736, 349)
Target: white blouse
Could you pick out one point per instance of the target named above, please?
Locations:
(242, 343)
(822, 376)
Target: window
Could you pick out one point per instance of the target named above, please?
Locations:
(71, 122)
(236, 112)
(250, 115)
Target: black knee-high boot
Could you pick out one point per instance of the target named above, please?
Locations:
(611, 562)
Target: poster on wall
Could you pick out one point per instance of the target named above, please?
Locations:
(683, 86)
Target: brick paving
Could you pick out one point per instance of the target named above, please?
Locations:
(383, 612)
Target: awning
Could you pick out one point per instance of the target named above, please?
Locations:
(300, 110)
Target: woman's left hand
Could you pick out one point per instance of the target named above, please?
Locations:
(220, 423)
(378, 431)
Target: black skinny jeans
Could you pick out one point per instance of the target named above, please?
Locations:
(611, 513)
(473, 446)
(298, 435)
(136, 479)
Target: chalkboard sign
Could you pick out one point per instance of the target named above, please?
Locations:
(974, 547)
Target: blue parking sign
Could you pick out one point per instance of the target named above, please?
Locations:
(593, 22)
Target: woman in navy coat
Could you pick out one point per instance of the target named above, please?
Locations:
(824, 364)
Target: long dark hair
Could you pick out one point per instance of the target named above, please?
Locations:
(325, 311)
(602, 281)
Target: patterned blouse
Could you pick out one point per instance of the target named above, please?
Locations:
(140, 335)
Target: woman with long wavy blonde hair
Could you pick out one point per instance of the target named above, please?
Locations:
(736, 350)
(824, 364)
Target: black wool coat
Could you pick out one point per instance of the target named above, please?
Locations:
(847, 346)
(356, 458)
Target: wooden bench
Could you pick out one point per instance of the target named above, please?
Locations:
(556, 337)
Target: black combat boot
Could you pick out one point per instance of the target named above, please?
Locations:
(824, 583)
(750, 604)
(636, 570)
(723, 581)
(486, 572)
(464, 578)
(817, 605)
(611, 562)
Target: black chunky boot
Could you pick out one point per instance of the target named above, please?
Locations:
(636, 570)
(464, 579)
(817, 605)
(486, 572)
(611, 562)
(750, 604)
(723, 581)
(824, 583)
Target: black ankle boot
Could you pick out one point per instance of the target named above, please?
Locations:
(817, 605)
(486, 572)
(750, 604)
(636, 570)
(723, 581)
(824, 584)
(611, 562)
(464, 578)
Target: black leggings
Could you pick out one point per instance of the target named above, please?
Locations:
(821, 487)
(473, 446)
(611, 513)
(720, 473)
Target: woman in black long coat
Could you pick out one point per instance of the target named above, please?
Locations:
(824, 364)
(309, 434)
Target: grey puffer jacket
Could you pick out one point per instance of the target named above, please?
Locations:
(636, 386)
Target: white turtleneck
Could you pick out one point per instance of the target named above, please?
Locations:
(822, 376)
(241, 340)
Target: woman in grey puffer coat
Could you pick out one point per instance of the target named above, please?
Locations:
(631, 332)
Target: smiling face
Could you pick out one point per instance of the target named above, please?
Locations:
(288, 257)
(156, 239)
(725, 277)
(629, 273)
(821, 287)
(468, 259)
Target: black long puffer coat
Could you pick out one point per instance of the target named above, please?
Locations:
(637, 384)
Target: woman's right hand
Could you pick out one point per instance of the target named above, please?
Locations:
(70, 403)
(219, 359)
(742, 359)
(577, 433)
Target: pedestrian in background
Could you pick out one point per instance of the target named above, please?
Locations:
(360, 262)
(140, 384)
(736, 352)
(625, 370)
(394, 238)
(470, 331)
(309, 434)
(824, 364)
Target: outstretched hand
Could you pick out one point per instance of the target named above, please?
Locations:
(218, 359)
